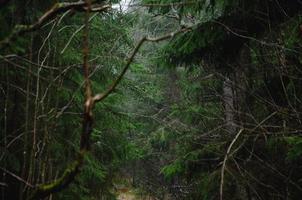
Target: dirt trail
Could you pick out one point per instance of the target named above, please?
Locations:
(127, 196)
(123, 190)
(125, 193)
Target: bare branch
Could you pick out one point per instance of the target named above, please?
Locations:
(74, 33)
(71, 172)
(57, 185)
(55, 10)
(17, 177)
(100, 97)
(228, 153)
(225, 160)
(262, 42)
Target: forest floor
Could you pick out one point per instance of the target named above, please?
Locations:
(124, 190)
(129, 193)
(126, 195)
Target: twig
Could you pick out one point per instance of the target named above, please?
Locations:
(224, 162)
(17, 177)
(71, 172)
(262, 42)
(74, 33)
(58, 8)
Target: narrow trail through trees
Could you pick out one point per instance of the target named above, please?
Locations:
(124, 190)
(127, 195)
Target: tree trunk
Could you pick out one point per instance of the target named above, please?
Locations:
(228, 100)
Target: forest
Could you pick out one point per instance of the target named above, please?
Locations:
(151, 99)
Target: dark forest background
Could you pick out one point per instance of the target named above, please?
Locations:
(197, 100)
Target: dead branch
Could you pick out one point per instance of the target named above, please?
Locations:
(55, 10)
(225, 160)
(228, 153)
(70, 173)
(17, 177)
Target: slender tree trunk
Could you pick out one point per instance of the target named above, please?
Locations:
(228, 100)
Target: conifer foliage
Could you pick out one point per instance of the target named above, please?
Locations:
(171, 99)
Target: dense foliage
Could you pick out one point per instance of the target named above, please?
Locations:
(211, 112)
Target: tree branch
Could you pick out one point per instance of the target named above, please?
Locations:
(70, 173)
(58, 185)
(17, 177)
(228, 153)
(224, 162)
(102, 96)
(55, 10)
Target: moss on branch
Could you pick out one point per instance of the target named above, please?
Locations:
(59, 184)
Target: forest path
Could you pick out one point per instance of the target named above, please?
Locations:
(127, 195)
(130, 194)
(124, 190)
